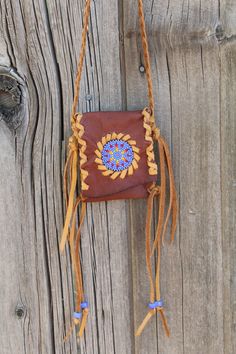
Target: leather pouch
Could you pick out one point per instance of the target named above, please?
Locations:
(118, 159)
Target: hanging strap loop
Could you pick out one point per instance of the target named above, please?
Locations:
(146, 58)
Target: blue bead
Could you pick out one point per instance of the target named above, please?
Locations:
(84, 305)
(77, 315)
(155, 304)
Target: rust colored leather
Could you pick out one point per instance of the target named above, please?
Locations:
(101, 188)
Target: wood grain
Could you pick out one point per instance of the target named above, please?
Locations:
(228, 169)
(192, 47)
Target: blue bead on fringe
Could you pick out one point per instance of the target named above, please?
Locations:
(155, 304)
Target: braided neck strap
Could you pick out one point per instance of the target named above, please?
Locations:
(146, 58)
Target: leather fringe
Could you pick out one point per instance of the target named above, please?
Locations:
(72, 235)
(159, 193)
(72, 166)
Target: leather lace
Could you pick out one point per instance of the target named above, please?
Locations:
(147, 64)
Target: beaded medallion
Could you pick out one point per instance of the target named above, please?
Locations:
(117, 155)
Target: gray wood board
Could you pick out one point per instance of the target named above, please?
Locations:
(192, 47)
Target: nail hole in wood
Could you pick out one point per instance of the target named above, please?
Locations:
(20, 311)
(220, 35)
(142, 69)
(88, 97)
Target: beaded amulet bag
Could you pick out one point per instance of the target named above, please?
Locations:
(114, 154)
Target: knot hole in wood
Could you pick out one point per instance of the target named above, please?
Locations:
(11, 106)
(20, 311)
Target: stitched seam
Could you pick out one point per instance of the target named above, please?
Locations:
(152, 166)
(78, 130)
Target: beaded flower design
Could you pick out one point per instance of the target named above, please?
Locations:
(117, 155)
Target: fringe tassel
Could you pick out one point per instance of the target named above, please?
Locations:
(73, 236)
(159, 192)
(165, 163)
(72, 162)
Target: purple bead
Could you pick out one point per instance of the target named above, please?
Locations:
(155, 304)
(84, 305)
(77, 315)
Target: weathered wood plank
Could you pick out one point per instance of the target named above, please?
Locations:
(38, 204)
(200, 218)
(226, 37)
(185, 82)
(193, 60)
(11, 264)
